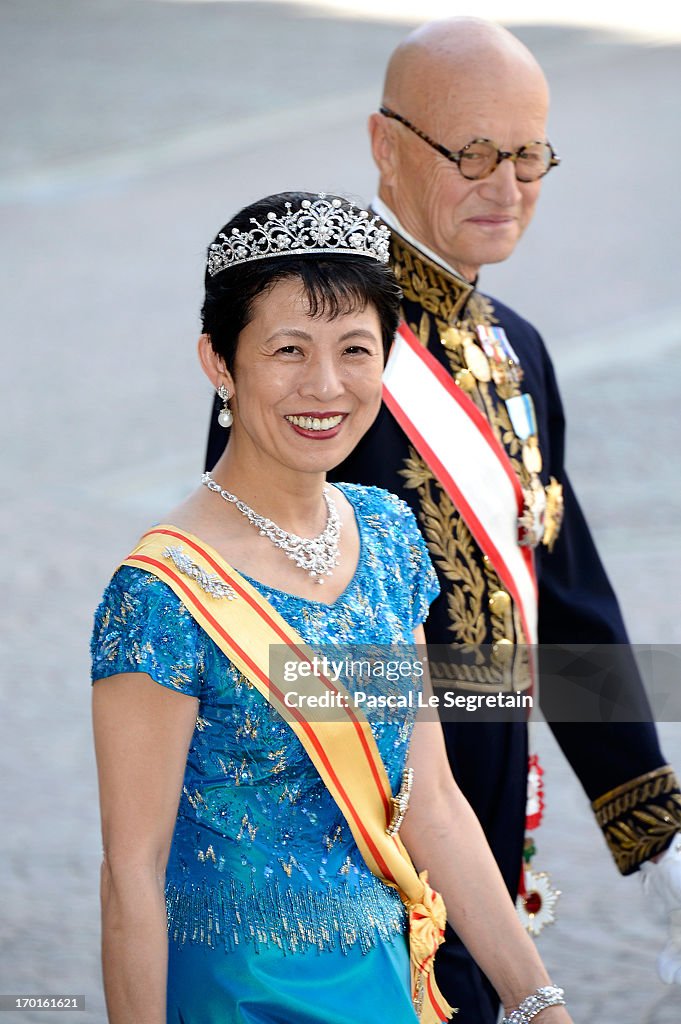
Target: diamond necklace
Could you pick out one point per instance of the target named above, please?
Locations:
(317, 556)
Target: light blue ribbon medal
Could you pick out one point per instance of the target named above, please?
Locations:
(524, 422)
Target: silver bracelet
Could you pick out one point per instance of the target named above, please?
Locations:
(548, 995)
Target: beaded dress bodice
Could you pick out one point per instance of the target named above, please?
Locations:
(260, 853)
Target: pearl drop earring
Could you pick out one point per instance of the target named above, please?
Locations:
(225, 418)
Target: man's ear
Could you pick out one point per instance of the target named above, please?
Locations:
(383, 148)
(213, 365)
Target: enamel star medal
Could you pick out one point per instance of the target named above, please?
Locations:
(532, 522)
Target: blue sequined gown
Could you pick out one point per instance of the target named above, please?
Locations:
(272, 914)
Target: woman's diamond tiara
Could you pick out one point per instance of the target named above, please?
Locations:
(321, 225)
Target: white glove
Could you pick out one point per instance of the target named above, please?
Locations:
(663, 879)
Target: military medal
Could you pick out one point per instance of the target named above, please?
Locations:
(477, 362)
(531, 455)
(524, 422)
(534, 807)
(465, 380)
(536, 896)
(531, 522)
(521, 414)
(504, 362)
(454, 337)
(496, 344)
(536, 903)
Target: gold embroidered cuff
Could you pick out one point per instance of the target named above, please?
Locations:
(640, 817)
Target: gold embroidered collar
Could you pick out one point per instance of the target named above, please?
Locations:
(428, 278)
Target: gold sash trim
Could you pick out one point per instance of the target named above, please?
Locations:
(344, 751)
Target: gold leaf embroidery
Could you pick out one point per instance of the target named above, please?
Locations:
(639, 818)
(424, 330)
(452, 549)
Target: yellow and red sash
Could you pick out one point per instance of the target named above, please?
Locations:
(343, 751)
(453, 437)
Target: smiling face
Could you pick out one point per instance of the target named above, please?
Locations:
(477, 81)
(305, 389)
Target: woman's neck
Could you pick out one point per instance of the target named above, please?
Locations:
(291, 499)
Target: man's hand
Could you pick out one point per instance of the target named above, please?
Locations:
(663, 879)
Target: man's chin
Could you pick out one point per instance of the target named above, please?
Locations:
(484, 253)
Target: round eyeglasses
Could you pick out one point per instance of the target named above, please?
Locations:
(480, 157)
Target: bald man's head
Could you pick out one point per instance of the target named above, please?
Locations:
(459, 80)
(434, 63)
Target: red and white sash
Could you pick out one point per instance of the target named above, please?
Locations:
(456, 441)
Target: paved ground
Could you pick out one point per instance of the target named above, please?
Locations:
(133, 129)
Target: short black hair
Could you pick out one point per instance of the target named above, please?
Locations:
(333, 284)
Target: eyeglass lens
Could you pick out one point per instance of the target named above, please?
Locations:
(479, 159)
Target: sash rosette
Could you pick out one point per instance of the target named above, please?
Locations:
(427, 919)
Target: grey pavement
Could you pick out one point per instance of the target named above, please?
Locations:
(132, 130)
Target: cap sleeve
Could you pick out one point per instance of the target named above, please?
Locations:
(142, 626)
(418, 571)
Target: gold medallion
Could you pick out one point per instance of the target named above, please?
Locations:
(454, 337)
(465, 380)
(532, 460)
(477, 362)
